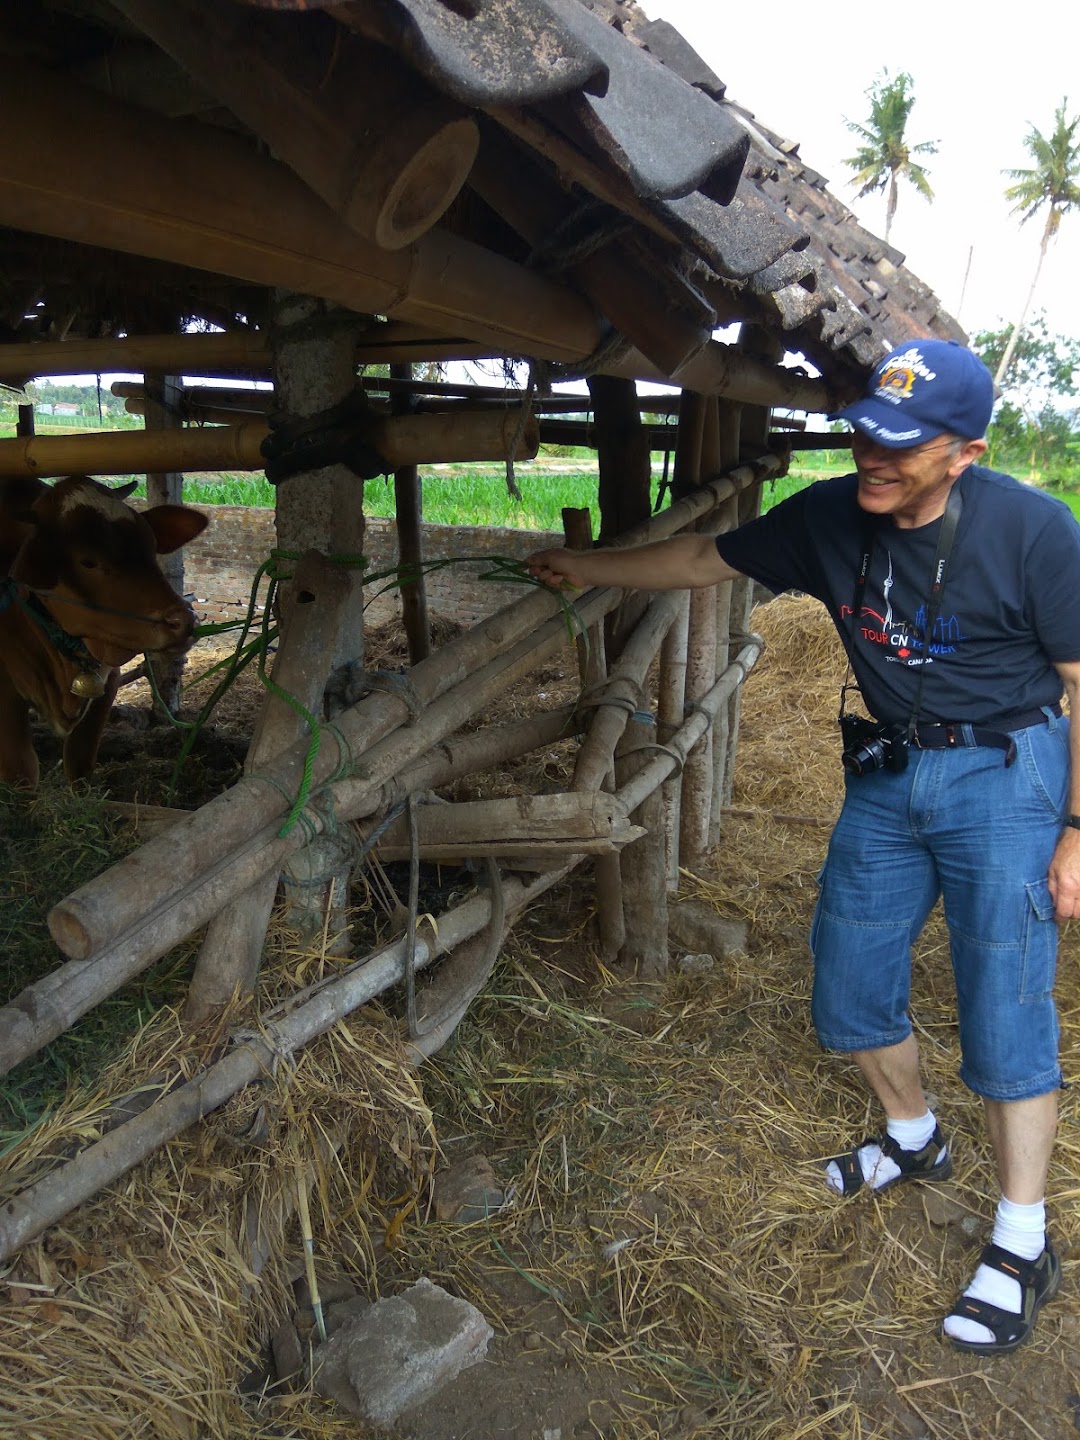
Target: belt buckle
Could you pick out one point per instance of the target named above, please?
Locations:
(950, 736)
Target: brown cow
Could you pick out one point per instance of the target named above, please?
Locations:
(81, 593)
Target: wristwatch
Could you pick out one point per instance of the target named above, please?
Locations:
(1073, 821)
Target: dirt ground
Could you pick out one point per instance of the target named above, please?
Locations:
(668, 1261)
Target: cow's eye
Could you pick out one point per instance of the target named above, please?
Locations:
(87, 562)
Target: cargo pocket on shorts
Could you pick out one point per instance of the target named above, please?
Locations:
(1039, 951)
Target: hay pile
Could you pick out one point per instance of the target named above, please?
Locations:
(667, 1236)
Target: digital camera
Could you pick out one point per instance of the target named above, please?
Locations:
(870, 745)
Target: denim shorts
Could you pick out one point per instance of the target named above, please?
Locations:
(959, 824)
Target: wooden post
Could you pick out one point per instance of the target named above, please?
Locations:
(321, 510)
(592, 668)
(755, 422)
(232, 948)
(24, 424)
(727, 518)
(696, 785)
(625, 486)
(409, 510)
(669, 716)
(625, 491)
(165, 487)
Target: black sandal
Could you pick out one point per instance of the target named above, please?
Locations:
(933, 1162)
(1039, 1281)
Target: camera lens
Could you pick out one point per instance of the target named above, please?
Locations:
(860, 760)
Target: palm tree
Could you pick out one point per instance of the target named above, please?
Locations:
(1054, 180)
(885, 155)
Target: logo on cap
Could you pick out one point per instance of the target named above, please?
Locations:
(896, 379)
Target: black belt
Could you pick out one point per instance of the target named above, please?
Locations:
(960, 734)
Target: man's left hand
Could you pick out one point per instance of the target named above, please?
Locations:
(1064, 876)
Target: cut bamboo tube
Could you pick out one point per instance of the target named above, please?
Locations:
(384, 150)
(202, 196)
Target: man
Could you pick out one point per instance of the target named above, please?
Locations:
(955, 592)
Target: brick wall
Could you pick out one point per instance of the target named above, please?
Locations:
(220, 565)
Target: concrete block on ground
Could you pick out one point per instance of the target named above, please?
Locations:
(695, 928)
(396, 1353)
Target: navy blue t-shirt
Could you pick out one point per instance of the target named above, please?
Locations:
(1010, 607)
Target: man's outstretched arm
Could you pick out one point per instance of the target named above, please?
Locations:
(678, 563)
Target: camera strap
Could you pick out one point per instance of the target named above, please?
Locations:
(946, 535)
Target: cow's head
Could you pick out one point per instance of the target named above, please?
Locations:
(92, 560)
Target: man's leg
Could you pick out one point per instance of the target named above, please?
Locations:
(1022, 1134)
(893, 1075)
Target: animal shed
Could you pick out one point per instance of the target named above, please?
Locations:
(293, 191)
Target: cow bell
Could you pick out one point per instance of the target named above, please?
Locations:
(88, 684)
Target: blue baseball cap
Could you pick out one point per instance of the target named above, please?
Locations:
(922, 389)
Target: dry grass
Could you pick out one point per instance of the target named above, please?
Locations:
(662, 1148)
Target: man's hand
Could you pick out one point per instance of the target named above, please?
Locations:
(557, 568)
(1064, 876)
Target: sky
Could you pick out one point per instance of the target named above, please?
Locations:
(982, 77)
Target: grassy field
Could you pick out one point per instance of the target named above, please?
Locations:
(476, 495)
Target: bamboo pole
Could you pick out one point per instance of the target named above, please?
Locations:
(621, 694)
(645, 950)
(237, 354)
(28, 1214)
(635, 790)
(171, 867)
(52, 1004)
(104, 908)
(397, 439)
(199, 195)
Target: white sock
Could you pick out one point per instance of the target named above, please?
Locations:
(1020, 1229)
(877, 1168)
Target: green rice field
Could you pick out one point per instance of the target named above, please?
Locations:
(477, 495)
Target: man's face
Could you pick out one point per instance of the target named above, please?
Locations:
(911, 485)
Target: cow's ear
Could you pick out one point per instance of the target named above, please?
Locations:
(174, 525)
(36, 564)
